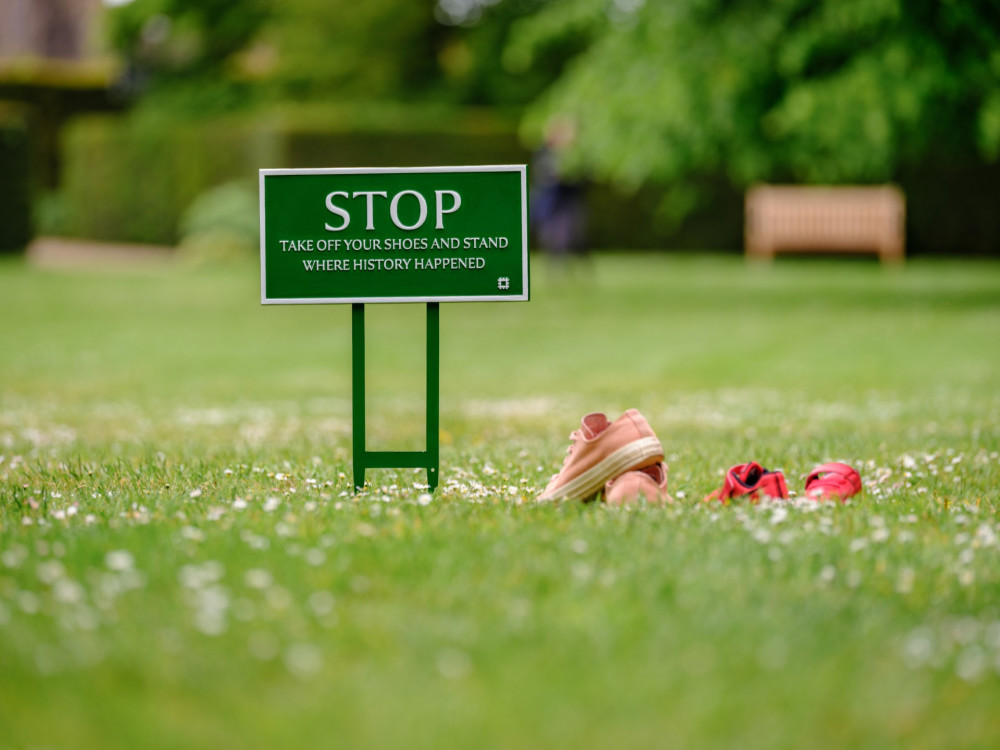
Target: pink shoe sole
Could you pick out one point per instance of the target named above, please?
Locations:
(635, 455)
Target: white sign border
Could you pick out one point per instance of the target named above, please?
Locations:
(521, 168)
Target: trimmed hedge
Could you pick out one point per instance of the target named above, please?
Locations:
(15, 181)
(127, 179)
(131, 180)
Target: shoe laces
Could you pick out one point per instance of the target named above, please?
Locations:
(575, 436)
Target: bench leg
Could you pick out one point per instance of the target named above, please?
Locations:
(891, 254)
(760, 253)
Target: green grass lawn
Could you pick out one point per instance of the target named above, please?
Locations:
(183, 562)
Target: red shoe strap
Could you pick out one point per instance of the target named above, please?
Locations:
(735, 485)
(833, 479)
(773, 485)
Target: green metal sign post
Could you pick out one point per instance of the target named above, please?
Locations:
(421, 234)
(426, 459)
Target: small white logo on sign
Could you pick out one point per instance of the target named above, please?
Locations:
(503, 283)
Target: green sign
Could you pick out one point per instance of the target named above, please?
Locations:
(422, 234)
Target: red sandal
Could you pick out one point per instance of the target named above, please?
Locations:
(751, 479)
(833, 481)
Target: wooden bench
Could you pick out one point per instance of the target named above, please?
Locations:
(790, 218)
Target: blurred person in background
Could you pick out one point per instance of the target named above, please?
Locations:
(558, 211)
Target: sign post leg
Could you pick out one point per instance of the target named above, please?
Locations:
(358, 393)
(433, 392)
(365, 459)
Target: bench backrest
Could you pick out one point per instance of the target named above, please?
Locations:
(784, 217)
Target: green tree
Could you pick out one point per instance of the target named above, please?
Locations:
(208, 55)
(404, 50)
(329, 50)
(185, 37)
(810, 90)
(350, 50)
(476, 69)
(185, 50)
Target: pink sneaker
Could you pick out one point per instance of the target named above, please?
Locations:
(601, 451)
(634, 486)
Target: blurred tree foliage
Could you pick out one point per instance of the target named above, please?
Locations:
(208, 55)
(474, 59)
(814, 90)
(185, 47)
(184, 37)
(344, 49)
